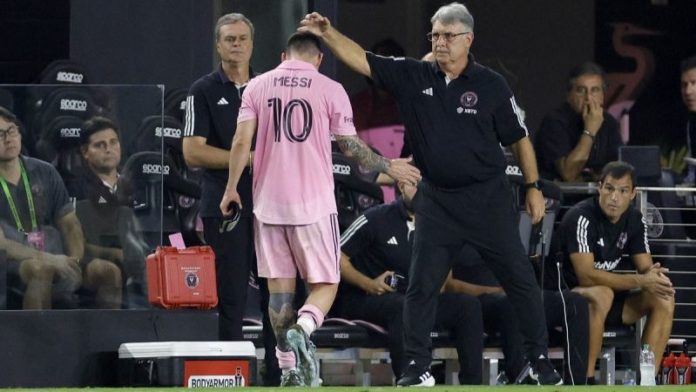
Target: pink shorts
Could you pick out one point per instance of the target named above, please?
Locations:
(312, 250)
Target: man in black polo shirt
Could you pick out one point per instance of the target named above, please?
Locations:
(593, 236)
(211, 121)
(457, 114)
(578, 138)
(102, 206)
(376, 249)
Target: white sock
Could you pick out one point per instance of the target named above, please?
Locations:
(308, 325)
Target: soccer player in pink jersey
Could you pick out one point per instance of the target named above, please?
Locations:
(295, 109)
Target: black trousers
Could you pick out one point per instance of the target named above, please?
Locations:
(457, 313)
(499, 316)
(235, 258)
(480, 215)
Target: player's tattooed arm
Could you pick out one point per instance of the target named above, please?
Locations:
(353, 147)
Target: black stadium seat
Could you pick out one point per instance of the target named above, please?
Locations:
(64, 101)
(164, 134)
(60, 145)
(61, 134)
(6, 99)
(175, 103)
(63, 72)
(157, 133)
(68, 72)
(156, 186)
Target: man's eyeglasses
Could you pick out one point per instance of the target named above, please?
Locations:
(12, 131)
(449, 37)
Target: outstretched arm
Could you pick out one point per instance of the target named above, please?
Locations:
(399, 169)
(347, 50)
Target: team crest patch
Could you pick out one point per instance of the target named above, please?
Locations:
(654, 220)
(191, 280)
(468, 99)
(621, 242)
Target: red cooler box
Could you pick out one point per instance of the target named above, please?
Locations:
(187, 364)
(182, 278)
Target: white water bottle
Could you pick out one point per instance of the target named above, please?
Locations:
(647, 366)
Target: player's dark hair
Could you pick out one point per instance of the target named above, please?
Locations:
(304, 43)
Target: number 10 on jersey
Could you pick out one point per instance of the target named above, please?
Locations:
(282, 119)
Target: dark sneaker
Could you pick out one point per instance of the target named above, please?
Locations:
(416, 376)
(539, 372)
(305, 353)
(292, 378)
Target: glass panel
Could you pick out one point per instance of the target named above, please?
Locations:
(106, 198)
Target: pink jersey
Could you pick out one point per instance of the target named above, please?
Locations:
(297, 108)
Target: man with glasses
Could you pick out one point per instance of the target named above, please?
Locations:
(577, 139)
(44, 262)
(457, 115)
(592, 239)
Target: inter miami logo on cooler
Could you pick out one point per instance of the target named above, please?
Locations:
(468, 99)
(191, 280)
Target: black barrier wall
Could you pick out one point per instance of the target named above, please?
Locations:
(79, 348)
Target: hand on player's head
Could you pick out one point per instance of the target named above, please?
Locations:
(314, 23)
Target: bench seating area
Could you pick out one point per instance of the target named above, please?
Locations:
(78, 348)
(363, 344)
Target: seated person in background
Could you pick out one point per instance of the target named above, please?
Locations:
(688, 93)
(591, 240)
(113, 233)
(377, 246)
(472, 276)
(577, 139)
(46, 261)
(100, 147)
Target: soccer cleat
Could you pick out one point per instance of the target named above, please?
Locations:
(305, 352)
(292, 378)
(539, 372)
(416, 376)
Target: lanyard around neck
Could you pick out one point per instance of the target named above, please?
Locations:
(30, 200)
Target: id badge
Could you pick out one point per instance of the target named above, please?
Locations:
(35, 239)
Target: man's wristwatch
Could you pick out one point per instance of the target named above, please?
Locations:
(588, 133)
(536, 184)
